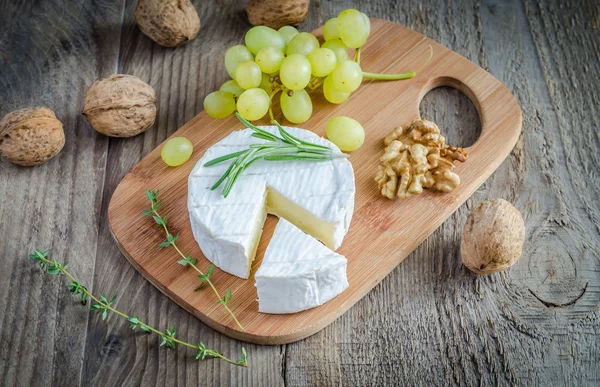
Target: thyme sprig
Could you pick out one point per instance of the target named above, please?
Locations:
(279, 148)
(186, 260)
(104, 306)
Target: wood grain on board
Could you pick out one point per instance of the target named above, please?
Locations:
(430, 322)
(377, 240)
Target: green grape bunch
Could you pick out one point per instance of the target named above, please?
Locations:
(294, 64)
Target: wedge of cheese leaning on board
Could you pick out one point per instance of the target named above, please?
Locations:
(314, 201)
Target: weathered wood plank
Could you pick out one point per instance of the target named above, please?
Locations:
(114, 355)
(49, 52)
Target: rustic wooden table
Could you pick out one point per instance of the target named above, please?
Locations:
(430, 322)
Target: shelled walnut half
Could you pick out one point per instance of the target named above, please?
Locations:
(417, 157)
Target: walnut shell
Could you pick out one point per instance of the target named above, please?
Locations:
(169, 23)
(493, 237)
(277, 13)
(120, 106)
(31, 136)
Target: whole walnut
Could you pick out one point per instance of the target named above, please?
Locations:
(169, 23)
(277, 13)
(120, 106)
(31, 136)
(493, 237)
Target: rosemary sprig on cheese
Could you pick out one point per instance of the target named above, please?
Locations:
(279, 148)
(104, 307)
(186, 260)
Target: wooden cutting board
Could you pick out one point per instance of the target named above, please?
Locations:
(382, 233)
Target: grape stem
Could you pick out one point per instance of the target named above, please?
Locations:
(273, 94)
(395, 77)
(357, 56)
(315, 83)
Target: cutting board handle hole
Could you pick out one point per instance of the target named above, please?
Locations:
(453, 106)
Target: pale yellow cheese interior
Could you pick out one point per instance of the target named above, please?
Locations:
(258, 229)
(279, 205)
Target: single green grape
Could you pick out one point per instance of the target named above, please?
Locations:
(367, 22)
(287, 32)
(347, 76)
(347, 133)
(176, 151)
(219, 104)
(266, 84)
(248, 75)
(295, 72)
(330, 30)
(296, 106)
(253, 104)
(338, 47)
(354, 27)
(332, 94)
(232, 87)
(260, 37)
(234, 56)
(269, 60)
(304, 43)
(322, 62)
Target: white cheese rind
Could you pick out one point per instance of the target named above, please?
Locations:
(298, 272)
(227, 229)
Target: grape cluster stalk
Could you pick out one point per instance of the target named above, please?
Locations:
(291, 64)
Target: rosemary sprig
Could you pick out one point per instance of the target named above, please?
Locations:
(280, 148)
(104, 306)
(186, 260)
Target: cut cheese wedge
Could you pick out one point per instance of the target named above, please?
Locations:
(298, 272)
(317, 197)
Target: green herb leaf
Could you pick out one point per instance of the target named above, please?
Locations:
(54, 268)
(164, 340)
(299, 140)
(244, 359)
(200, 286)
(224, 158)
(75, 288)
(188, 260)
(158, 220)
(223, 177)
(203, 279)
(164, 244)
(201, 351)
(134, 320)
